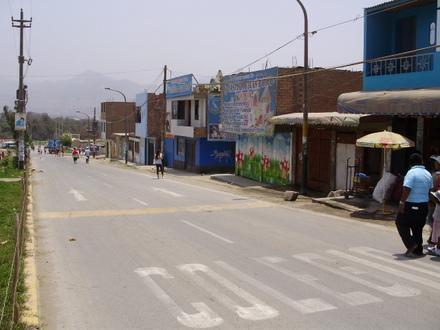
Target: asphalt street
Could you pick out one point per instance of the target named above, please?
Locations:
(121, 249)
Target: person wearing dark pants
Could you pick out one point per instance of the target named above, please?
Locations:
(410, 225)
(413, 206)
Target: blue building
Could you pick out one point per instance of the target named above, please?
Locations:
(401, 78)
(187, 145)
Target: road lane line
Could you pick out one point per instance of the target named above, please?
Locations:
(306, 306)
(206, 318)
(107, 185)
(369, 252)
(77, 195)
(140, 202)
(352, 298)
(395, 290)
(165, 191)
(256, 312)
(151, 210)
(208, 232)
(386, 269)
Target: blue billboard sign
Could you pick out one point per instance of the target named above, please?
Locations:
(249, 99)
(179, 86)
(215, 131)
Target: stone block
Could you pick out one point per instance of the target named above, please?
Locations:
(290, 195)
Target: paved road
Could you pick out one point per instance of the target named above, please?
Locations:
(120, 249)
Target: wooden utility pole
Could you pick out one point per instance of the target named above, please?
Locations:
(21, 92)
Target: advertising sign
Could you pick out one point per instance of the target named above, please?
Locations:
(180, 86)
(249, 99)
(20, 121)
(215, 132)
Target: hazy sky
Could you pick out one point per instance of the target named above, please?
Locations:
(133, 39)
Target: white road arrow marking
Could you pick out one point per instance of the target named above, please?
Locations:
(258, 309)
(371, 252)
(351, 298)
(395, 290)
(167, 192)
(77, 195)
(206, 318)
(305, 306)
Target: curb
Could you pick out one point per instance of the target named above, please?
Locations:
(30, 314)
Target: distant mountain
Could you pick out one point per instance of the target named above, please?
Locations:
(64, 97)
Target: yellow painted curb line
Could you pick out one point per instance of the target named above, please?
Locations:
(30, 314)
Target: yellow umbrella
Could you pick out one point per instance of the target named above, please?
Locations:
(384, 140)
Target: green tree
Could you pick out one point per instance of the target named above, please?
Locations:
(66, 140)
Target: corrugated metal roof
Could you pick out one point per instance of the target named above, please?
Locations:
(392, 3)
(415, 102)
(318, 119)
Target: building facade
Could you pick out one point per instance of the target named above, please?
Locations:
(401, 79)
(264, 109)
(186, 142)
(116, 118)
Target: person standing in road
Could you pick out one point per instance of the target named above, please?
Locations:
(413, 206)
(436, 183)
(75, 155)
(158, 161)
(87, 155)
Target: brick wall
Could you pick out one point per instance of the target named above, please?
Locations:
(115, 114)
(323, 89)
(156, 117)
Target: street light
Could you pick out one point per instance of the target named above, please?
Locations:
(305, 127)
(126, 118)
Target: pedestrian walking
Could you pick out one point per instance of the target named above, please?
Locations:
(158, 161)
(435, 234)
(75, 155)
(413, 206)
(436, 183)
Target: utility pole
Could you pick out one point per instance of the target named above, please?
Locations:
(165, 70)
(21, 93)
(305, 126)
(94, 129)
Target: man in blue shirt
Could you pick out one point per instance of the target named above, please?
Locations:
(413, 206)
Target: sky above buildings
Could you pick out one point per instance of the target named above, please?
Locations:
(134, 39)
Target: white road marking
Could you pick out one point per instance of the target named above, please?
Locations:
(206, 318)
(77, 195)
(386, 269)
(369, 252)
(353, 270)
(258, 309)
(395, 290)
(208, 232)
(167, 192)
(140, 202)
(305, 306)
(351, 298)
(107, 184)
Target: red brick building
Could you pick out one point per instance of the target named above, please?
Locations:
(116, 118)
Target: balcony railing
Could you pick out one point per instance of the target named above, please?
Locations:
(400, 65)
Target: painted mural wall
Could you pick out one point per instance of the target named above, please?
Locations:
(263, 158)
(215, 154)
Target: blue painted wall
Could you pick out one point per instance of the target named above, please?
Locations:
(215, 154)
(379, 40)
(169, 152)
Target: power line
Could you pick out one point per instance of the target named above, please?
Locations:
(313, 32)
(402, 54)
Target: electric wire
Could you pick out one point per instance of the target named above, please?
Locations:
(313, 32)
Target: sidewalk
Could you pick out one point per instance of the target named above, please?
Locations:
(353, 208)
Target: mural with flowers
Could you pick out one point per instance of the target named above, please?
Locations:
(264, 159)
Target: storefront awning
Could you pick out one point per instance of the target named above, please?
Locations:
(417, 102)
(318, 119)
